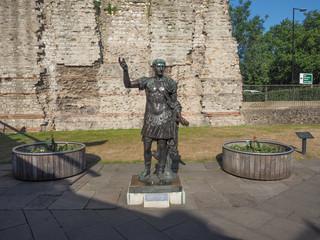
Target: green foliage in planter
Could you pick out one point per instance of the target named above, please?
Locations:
(255, 146)
(65, 147)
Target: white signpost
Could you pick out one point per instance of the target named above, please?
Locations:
(306, 78)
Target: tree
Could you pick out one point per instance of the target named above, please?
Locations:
(251, 47)
(279, 51)
(307, 56)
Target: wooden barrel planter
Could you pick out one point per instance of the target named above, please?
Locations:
(47, 166)
(259, 166)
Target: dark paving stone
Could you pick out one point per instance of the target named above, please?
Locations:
(44, 226)
(212, 165)
(15, 202)
(304, 173)
(192, 166)
(96, 231)
(240, 199)
(194, 230)
(20, 232)
(9, 182)
(247, 217)
(42, 202)
(104, 199)
(71, 220)
(163, 218)
(275, 210)
(210, 200)
(225, 227)
(6, 167)
(72, 200)
(283, 229)
(117, 217)
(29, 188)
(9, 219)
(197, 187)
(140, 230)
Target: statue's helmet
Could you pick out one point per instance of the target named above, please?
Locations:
(158, 60)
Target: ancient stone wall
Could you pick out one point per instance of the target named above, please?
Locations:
(60, 61)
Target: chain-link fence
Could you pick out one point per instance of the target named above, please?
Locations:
(263, 93)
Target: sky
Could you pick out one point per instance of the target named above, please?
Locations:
(279, 10)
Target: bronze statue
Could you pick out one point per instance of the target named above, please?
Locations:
(161, 120)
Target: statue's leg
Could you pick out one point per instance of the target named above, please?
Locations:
(147, 143)
(162, 156)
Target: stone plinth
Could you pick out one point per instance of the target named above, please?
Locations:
(155, 195)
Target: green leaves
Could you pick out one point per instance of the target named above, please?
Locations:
(266, 58)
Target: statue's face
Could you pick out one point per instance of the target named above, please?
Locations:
(159, 69)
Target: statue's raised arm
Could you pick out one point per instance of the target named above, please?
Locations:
(126, 79)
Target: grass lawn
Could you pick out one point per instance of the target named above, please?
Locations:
(195, 143)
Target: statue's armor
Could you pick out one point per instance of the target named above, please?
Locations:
(158, 120)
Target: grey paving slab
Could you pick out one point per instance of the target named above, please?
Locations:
(275, 210)
(118, 216)
(122, 201)
(71, 220)
(41, 202)
(197, 187)
(21, 232)
(211, 165)
(140, 230)
(210, 200)
(304, 173)
(29, 188)
(280, 228)
(104, 199)
(44, 226)
(240, 199)
(5, 173)
(10, 219)
(95, 231)
(225, 227)
(227, 188)
(248, 217)
(6, 167)
(72, 200)
(314, 180)
(164, 218)
(9, 182)
(255, 188)
(200, 230)
(15, 202)
(293, 180)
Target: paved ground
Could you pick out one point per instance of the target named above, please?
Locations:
(218, 206)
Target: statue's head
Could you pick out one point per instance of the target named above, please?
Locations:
(159, 65)
(158, 60)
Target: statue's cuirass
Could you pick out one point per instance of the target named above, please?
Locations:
(157, 109)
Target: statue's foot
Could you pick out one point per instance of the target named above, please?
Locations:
(144, 174)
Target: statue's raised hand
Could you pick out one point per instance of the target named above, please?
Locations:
(123, 64)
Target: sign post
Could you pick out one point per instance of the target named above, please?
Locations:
(306, 78)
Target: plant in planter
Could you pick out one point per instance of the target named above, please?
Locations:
(52, 146)
(255, 146)
(260, 160)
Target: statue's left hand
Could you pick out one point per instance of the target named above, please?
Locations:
(185, 122)
(123, 64)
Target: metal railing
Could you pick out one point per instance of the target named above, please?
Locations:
(264, 93)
